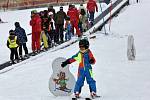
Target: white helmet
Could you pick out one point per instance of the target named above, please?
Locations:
(50, 13)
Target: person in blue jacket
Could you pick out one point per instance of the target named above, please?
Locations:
(21, 34)
(68, 29)
(85, 59)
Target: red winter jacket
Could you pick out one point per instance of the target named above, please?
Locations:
(73, 13)
(35, 22)
(91, 5)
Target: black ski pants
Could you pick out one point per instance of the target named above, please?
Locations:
(60, 32)
(24, 47)
(13, 53)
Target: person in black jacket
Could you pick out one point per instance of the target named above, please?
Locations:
(60, 18)
(21, 34)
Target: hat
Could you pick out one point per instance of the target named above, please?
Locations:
(84, 43)
(81, 4)
(17, 24)
(50, 7)
(12, 32)
(33, 11)
(70, 5)
(61, 8)
(50, 13)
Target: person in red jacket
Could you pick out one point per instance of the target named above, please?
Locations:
(73, 13)
(91, 7)
(35, 22)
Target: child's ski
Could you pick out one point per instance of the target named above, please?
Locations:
(81, 98)
(95, 97)
(87, 98)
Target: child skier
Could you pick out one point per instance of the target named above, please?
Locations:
(91, 7)
(12, 44)
(22, 37)
(83, 19)
(68, 28)
(85, 59)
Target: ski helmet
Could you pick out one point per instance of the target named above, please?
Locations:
(17, 24)
(12, 32)
(61, 8)
(34, 12)
(84, 43)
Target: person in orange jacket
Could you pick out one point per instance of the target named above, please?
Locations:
(91, 7)
(35, 22)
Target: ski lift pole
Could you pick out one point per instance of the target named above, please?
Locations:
(103, 18)
(110, 15)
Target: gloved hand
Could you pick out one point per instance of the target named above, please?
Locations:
(91, 61)
(65, 63)
(65, 29)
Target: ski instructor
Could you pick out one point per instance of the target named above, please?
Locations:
(85, 59)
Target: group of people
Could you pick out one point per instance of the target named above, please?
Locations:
(17, 39)
(51, 28)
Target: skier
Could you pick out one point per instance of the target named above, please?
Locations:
(52, 29)
(83, 19)
(60, 18)
(74, 19)
(12, 44)
(51, 9)
(85, 59)
(68, 27)
(21, 34)
(45, 29)
(91, 6)
(35, 22)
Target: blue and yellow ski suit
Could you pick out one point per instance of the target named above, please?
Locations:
(84, 70)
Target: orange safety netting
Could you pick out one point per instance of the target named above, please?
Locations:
(28, 3)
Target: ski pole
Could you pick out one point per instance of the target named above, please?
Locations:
(103, 18)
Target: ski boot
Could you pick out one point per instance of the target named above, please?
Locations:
(20, 57)
(12, 62)
(77, 95)
(94, 95)
(26, 56)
